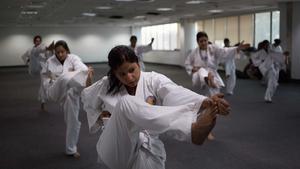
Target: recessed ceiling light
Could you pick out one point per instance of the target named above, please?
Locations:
(29, 12)
(194, 2)
(104, 7)
(215, 11)
(124, 0)
(164, 9)
(189, 15)
(140, 17)
(88, 14)
(35, 6)
(145, 0)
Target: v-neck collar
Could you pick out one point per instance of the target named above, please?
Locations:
(139, 87)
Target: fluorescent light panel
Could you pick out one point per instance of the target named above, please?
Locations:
(164, 9)
(104, 7)
(88, 14)
(140, 17)
(194, 2)
(215, 11)
(29, 12)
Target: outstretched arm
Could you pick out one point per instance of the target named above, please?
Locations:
(89, 79)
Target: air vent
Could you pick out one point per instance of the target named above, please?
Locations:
(153, 13)
(116, 17)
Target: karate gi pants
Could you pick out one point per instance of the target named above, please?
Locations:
(120, 146)
(230, 82)
(66, 91)
(196, 81)
(272, 83)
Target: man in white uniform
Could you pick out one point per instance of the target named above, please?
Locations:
(65, 76)
(130, 139)
(139, 50)
(36, 58)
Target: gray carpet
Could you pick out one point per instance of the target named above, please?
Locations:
(256, 135)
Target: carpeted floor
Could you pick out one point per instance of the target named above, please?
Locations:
(256, 135)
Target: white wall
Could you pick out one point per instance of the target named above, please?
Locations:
(92, 44)
(295, 54)
(163, 57)
(290, 34)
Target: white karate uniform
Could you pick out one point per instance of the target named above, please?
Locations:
(130, 139)
(63, 84)
(33, 57)
(36, 58)
(230, 75)
(208, 61)
(269, 65)
(139, 50)
(276, 49)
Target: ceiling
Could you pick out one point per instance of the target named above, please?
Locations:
(134, 13)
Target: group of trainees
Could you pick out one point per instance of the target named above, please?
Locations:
(203, 62)
(269, 60)
(140, 106)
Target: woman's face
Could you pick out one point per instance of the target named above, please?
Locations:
(61, 53)
(203, 42)
(128, 74)
(37, 41)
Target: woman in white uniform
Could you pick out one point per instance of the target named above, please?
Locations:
(202, 63)
(269, 64)
(65, 76)
(139, 50)
(130, 138)
(36, 58)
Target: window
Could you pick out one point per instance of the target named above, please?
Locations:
(275, 25)
(262, 27)
(209, 29)
(220, 31)
(247, 28)
(232, 29)
(166, 36)
(236, 28)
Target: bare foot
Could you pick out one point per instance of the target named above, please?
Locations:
(204, 124)
(43, 107)
(105, 114)
(151, 100)
(210, 137)
(222, 104)
(75, 155)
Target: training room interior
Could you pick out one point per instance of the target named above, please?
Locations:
(255, 135)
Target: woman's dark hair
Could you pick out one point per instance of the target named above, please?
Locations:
(116, 57)
(277, 41)
(200, 35)
(226, 40)
(133, 37)
(63, 44)
(37, 37)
